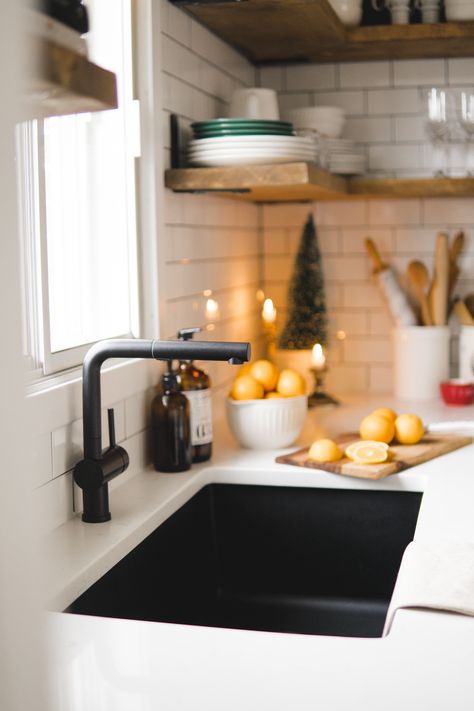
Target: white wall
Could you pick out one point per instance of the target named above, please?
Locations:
(20, 590)
(384, 104)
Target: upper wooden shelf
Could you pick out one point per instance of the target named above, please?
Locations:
(310, 31)
(297, 182)
(62, 81)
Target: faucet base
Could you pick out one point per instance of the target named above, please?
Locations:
(96, 505)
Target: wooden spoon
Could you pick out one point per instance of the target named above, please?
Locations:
(419, 277)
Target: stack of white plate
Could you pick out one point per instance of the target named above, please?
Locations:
(343, 156)
(247, 150)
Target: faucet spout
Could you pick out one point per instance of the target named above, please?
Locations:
(97, 468)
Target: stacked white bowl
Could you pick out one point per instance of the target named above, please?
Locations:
(324, 120)
(325, 124)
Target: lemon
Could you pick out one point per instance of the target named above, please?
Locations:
(386, 412)
(378, 428)
(408, 429)
(246, 388)
(290, 383)
(324, 450)
(266, 373)
(273, 395)
(367, 452)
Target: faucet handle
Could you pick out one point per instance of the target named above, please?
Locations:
(110, 415)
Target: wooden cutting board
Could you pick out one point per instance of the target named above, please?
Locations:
(403, 456)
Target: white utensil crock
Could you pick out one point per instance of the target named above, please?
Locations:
(421, 361)
(466, 353)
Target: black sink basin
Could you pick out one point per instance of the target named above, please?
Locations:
(283, 559)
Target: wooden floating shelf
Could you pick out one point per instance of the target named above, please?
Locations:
(299, 182)
(63, 82)
(310, 31)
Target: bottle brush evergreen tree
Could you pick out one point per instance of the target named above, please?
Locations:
(306, 322)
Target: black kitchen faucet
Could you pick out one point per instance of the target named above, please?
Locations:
(98, 467)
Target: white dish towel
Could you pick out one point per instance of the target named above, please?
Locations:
(438, 575)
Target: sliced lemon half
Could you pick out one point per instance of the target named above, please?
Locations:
(368, 452)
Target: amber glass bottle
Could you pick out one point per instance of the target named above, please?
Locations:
(196, 386)
(170, 417)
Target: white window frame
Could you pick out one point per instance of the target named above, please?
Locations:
(30, 146)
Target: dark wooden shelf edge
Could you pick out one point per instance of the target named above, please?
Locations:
(64, 82)
(271, 31)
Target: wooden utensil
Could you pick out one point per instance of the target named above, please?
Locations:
(454, 252)
(395, 297)
(419, 277)
(462, 313)
(403, 456)
(469, 301)
(439, 288)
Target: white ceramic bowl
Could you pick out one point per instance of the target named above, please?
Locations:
(456, 11)
(327, 120)
(267, 424)
(348, 11)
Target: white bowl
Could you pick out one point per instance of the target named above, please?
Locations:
(267, 424)
(456, 11)
(348, 11)
(327, 120)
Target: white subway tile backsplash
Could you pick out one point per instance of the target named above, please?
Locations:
(380, 379)
(353, 102)
(393, 101)
(380, 323)
(353, 240)
(362, 74)
(358, 296)
(287, 102)
(368, 130)
(409, 128)
(347, 269)
(394, 212)
(41, 459)
(353, 323)
(344, 378)
(454, 211)
(271, 77)
(419, 72)
(461, 71)
(367, 350)
(310, 77)
(342, 214)
(394, 158)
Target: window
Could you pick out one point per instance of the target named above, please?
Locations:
(77, 195)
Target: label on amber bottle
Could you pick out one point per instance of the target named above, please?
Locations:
(200, 415)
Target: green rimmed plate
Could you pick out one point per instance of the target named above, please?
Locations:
(239, 123)
(241, 132)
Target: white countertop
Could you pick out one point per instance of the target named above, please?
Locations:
(424, 663)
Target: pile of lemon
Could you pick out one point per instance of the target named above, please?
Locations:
(262, 379)
(377, 431)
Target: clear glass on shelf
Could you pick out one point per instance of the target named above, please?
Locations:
(466, 121)
(438, 129)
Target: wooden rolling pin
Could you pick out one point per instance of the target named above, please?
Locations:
(440, 286)
(454, 252)
(395, 297)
